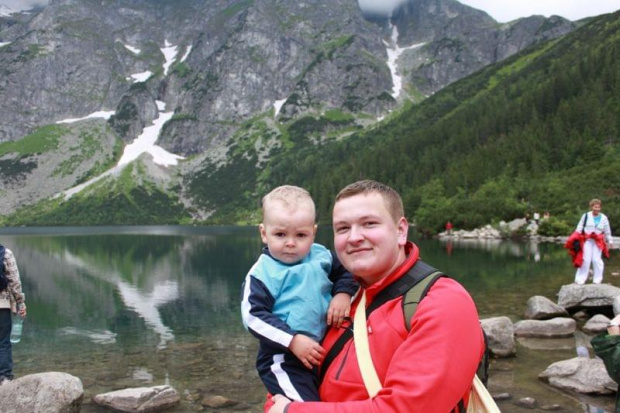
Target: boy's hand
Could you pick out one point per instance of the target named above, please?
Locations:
(339, 308)
(307, 350)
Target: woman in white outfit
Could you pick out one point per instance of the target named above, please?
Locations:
(594, 225)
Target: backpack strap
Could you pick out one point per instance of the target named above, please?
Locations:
(585, 219)
(419, 272)
(414, 295)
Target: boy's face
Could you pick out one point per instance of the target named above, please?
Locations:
(288, 231)
(367, 240)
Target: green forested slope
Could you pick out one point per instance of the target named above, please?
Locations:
(540, 132)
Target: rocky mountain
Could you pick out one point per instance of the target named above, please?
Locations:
(459, 40)
(240, 81)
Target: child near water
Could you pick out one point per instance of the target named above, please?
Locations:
(293, 291)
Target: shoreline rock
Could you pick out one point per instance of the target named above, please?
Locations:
(49, 392)
(140, 399)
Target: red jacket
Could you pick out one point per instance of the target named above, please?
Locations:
(577, 255)
(428, 369)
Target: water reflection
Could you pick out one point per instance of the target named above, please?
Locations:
(97, 337)
(145, 303)
(124, 306)
(529, 249)
(165, 280)
(582, 351)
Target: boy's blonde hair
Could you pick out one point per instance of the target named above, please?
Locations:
(290, 196)
(595, 201)
(392, 199)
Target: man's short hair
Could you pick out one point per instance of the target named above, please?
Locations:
(290, 196)
(595, 201)
(392, 199)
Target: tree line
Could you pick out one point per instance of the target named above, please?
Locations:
(538, 132)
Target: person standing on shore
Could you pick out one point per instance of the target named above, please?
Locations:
(12, 300)
(596, 240)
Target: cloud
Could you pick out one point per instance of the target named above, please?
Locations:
(379, 6)
(504, 11)
(19, 5)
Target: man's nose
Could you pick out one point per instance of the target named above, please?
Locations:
(355, 234)
(290, 242)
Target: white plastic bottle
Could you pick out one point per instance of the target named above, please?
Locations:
(16, 329)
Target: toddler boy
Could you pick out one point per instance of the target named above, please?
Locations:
(287, 295)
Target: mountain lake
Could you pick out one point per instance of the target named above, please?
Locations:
(126, 307)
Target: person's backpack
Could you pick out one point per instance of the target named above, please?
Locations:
(418, 291)
(413, 286)
(3, 281)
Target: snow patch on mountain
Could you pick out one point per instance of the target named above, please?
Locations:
(132, 49)
(141, 77)
(170, 53)
(101, 114)
(278, 105)
(145, 143)
(394, 52)
(189, 49)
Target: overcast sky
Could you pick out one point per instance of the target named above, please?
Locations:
(504, 11)
(500, 10)
(507, 10)
(22, 4)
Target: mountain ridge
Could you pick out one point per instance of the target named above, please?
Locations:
(326, 65)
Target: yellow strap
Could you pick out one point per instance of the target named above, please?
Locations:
(362, 349)
(480, 400)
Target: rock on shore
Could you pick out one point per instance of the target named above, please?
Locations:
(137, 400)
(50, 392)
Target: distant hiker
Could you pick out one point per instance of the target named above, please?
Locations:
(287, 295)
(449, 228)
(591, 240)
(12, 300)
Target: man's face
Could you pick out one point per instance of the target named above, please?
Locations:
(367, 240)
(288, 232)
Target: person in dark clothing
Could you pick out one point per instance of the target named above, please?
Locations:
(12, 300)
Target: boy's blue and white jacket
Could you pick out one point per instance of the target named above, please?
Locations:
(281, 300)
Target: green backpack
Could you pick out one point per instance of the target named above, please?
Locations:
(417, 292)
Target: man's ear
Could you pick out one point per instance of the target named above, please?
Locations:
(403, 230)
(263, 233)
(315, 229)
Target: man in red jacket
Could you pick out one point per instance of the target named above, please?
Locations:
(425, 364)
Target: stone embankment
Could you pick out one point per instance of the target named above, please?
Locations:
(514, 228)
(545, 319)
